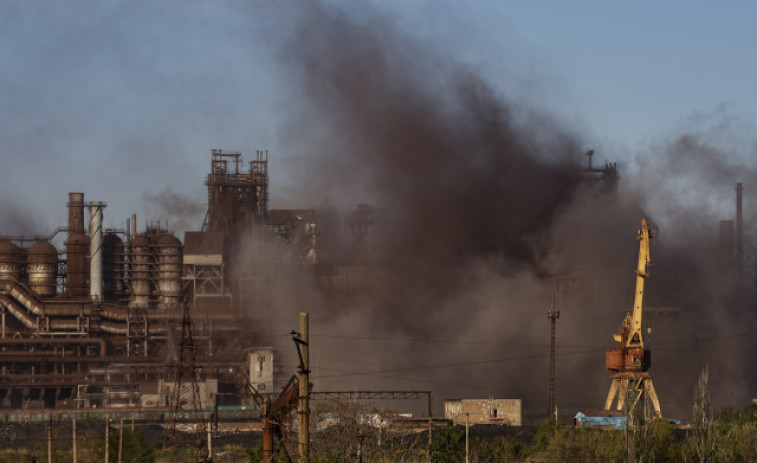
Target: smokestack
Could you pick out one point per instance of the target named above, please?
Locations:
(739, 228)
(75, 213)
(95, 250)
(727, 235)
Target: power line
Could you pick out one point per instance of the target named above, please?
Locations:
(446, 365)
(446, 341)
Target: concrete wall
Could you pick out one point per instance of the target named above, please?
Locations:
(484, 411)
(260, 361)
(207, 391)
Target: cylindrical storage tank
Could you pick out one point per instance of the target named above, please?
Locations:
(140, 271)
(168, 254)
(77, 264)
(11, 261)
(113, 267)
(42, 268)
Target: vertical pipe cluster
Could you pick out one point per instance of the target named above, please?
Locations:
(100, 266)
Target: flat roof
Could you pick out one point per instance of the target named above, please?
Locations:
(204, 243)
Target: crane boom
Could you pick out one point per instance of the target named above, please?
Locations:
(629, 363)
(630, 354)
(635, 338)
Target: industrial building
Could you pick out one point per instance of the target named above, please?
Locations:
(98, 323)
(484, 411)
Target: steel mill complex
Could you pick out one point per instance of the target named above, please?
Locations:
(98, 324)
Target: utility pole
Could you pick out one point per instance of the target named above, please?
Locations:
(360, 448)
(739, 227)
(107, 438)
(50, 439)
(73, 438)
(120, 440)
(430, 422)
(553, 315)
(210, 440)
(303, 402)
(467, 439)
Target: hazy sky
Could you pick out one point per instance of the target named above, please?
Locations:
(124, 100)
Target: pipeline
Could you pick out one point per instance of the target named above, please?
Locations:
(22, 296)
(17, 312)
(10, 291)
(118, 328)
(46, 342)
(73, 309)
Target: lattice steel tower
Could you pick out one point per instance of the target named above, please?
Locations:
(185, 398)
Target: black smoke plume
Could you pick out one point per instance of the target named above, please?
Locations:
(483, 219)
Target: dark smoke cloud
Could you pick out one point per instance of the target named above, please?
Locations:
(479, 203)
(429, 143)
(174, 210)
(467, 188)
(16, 220)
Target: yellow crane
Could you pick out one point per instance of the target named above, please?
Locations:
(629, 363)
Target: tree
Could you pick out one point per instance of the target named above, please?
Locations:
(344, 431)
(703, 442)
(135, 447)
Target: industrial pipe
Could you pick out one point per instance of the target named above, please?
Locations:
(96, 250)
(17, 312)
(46, 342)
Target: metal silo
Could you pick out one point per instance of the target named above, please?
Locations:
(140, 271)
(42, 268)
(113, 266)
(169, 265)
(11, 261)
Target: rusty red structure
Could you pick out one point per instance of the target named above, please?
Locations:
(99, 322)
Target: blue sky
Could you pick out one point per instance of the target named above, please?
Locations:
(124, 100)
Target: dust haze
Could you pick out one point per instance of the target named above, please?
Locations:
(481, 206)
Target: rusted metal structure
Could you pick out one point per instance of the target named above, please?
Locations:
(185, 395)
(99, 322)
(237, 197)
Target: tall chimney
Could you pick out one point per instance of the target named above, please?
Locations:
(75, 213)
(96, 250)
(739, 228)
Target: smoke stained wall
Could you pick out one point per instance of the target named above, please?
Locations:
(481, 205)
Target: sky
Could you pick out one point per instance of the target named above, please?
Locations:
(124, 100)
(387, 102)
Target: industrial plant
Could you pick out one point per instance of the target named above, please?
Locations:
(112, 319)
(99, 324)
